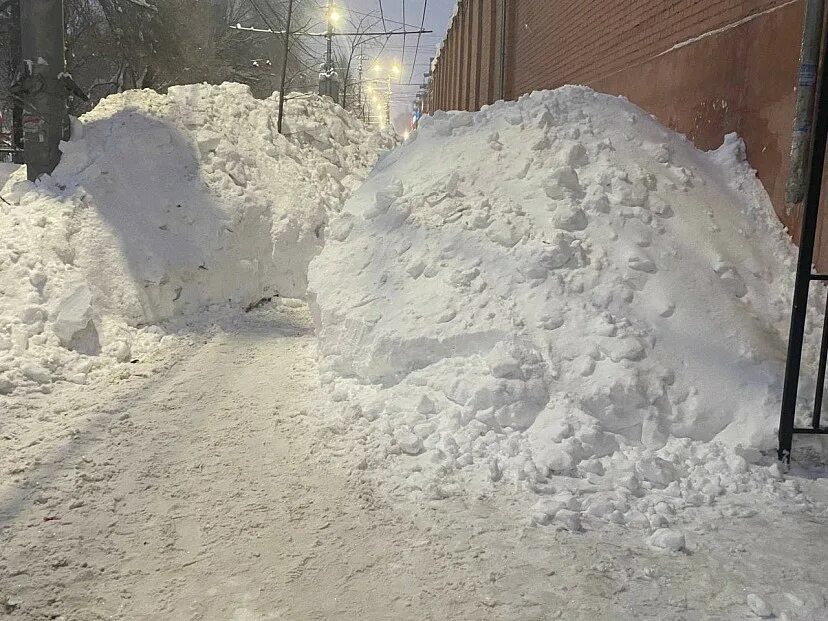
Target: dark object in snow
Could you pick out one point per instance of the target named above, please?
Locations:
(257, 304)
(804, 277)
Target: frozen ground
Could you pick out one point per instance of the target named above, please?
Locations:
(202, 487)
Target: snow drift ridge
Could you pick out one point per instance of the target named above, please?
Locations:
(558, 286)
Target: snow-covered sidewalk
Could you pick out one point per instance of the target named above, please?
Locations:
(196, 495)
(214, 490)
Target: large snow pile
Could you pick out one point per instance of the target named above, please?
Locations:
(161, 206)
(559, 287)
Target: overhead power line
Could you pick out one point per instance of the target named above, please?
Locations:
(335, 34)
(382, 16)
(402, 59)
(417, 49)
(387, 19)
(261, 14)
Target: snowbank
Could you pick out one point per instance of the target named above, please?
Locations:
(164, 205)
(6, 171)
(559, 287)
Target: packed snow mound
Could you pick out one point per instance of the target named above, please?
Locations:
(558, 286)
(163, 205)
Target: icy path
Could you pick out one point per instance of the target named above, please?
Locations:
(210, 491)
(194, 495)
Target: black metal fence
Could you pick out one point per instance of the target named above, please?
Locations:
(7, 155)
(805, 276)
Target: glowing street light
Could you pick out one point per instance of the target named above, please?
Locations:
(387, 74)
(328, 79)
(334, 16)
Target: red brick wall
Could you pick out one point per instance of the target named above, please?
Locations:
(578, 41)
(488, 21)
(555, 42)
(703, 67)
(465, 82)
(752, 93)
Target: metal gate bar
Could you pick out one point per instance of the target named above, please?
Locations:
(804, 276)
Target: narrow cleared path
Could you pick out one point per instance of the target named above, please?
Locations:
(198, 497)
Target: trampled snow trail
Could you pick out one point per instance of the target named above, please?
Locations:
(213, 490)
(194, 495)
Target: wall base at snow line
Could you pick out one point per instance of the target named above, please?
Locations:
(741, 79)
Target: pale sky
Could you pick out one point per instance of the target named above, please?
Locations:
(438, 13)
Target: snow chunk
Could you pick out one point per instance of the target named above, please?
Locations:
(667, 540)
(73, 314)
(759, 606)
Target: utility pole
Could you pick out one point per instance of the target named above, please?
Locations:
(45, 117)
(329, 46)
(17, 101)
(388, 102)
(395, 71)
(383, 105)
(286, 52)
(328, 79)
(359, 83)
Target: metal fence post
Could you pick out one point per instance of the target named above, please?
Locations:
(813, 191)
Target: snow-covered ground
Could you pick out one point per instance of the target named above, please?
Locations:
(549, 339)
(206, 489)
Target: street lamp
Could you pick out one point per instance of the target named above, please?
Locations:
(328, 80)
(334, 16)
(392, 71)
